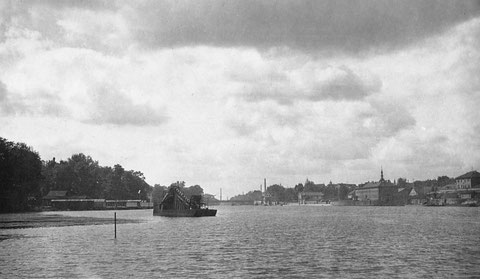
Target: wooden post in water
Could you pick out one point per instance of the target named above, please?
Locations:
(115, 223)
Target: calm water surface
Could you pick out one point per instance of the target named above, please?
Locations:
(255, 242)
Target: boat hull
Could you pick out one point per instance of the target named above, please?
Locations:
(203, 212)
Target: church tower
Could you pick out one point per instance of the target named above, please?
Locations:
(381, 175)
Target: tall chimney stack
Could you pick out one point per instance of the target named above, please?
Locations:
(265, 184)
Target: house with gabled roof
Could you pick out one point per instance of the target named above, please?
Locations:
(468, 180)
(416, 194)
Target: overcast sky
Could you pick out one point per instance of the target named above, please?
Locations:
(226, 93)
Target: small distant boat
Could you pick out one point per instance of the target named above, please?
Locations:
(176, 204)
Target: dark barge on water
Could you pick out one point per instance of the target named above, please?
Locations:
(176, 204)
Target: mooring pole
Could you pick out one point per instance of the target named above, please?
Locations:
(115, 223)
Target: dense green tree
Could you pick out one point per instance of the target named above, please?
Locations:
(20, 174)
(118, 188)
(310, 186)
(24, 178)
(255, 195)
(343, 191)
(49, 176)
(299, 188)
(445, 180)
(81, 175)
(119, 184)
(330, 192)
(277, 192)
(291, 195)
(193, 190)
(64, 178)
(135, 185)
(85, 175)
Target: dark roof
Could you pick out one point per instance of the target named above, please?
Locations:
(422, 189)
(470, 174)
(370, 185)
(376, 184)
(469, 190)
(55, 194)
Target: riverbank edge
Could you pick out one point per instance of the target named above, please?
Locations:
(39, 220)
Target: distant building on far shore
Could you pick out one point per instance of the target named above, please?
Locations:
(53, 195)
(382, 192)
(465, 192)
(469, 180)
(310, 197)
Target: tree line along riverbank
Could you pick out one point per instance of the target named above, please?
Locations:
(25, 179)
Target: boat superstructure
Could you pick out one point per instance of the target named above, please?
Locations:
(176, 204)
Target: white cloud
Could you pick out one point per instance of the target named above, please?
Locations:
(115, 108)
(311, 81)
(228, 117)
(438, 83)
(83, 84)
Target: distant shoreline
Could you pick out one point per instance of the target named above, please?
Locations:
(34, 220)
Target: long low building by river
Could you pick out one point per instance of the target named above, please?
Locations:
(382, 192)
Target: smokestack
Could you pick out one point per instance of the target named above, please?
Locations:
(265, 184)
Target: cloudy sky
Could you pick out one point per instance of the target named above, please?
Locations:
(226, 93)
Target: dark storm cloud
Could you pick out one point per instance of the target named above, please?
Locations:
(310, 25)
(81, 4)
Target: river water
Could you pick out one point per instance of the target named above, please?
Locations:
(254, 242)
